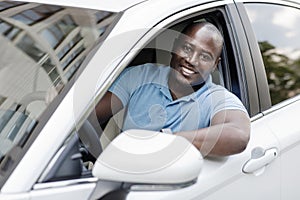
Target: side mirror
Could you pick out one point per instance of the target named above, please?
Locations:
(148, 157)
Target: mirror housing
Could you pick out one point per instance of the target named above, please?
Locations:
(148, 157)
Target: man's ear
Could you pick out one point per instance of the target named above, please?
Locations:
(216, 64)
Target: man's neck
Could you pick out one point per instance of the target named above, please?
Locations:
(178, 90)
(198, 86)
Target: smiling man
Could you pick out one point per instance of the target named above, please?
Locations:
(195, 55)
(182, 98)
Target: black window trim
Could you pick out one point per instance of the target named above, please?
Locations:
(260, 73)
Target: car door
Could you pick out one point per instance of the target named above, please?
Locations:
(254, 173)
(280, 53)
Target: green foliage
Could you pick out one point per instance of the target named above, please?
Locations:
(283, 73)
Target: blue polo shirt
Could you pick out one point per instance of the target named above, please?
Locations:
(144, 92)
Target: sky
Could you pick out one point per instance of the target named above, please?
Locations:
(279, 25)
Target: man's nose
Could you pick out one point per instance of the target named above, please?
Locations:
(193, 59)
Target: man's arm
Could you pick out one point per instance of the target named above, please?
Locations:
(228, 134)
(109, 105)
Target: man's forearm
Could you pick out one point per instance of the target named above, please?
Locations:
(228, 134)
(217, 140)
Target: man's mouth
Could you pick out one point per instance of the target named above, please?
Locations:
(186, 71)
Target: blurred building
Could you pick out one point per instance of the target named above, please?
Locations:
(42, 46)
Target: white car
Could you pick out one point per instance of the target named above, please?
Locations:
(59, 57)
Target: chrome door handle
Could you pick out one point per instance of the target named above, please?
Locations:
(255, 164)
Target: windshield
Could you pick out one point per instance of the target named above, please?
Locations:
(42, 47)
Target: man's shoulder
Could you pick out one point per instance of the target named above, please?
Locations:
(213, 90)
(210, 87)
(151, 67)
(148, 71)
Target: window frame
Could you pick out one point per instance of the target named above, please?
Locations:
(261, 85)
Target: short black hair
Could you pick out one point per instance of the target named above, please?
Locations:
(218, 37)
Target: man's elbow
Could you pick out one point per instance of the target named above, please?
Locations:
(242, 141)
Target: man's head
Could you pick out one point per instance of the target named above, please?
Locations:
(196, 53)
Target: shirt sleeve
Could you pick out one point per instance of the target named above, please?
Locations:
(128, 81)
(222, 99)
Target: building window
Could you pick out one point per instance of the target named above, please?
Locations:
(9, 4)
(31, 48)
(9, 30)
(53, 74)
(74, 68)
(69, 46)
(55, 33)
(72, 57)
(101, 15)
(36, 14)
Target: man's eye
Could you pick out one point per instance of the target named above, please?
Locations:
(205, 57)
(187, 49)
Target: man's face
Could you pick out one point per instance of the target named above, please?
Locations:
(195, 56)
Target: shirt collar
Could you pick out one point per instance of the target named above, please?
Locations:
(196, 94)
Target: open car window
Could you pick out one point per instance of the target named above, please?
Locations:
(158, 52)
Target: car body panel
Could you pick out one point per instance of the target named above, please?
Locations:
(79, 191)
(212, 183)
(280, 119)
(76, 192)
(20, 196)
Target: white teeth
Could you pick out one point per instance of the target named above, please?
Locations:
(186, 71)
